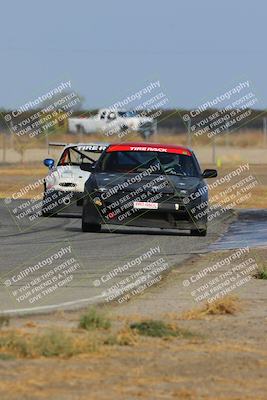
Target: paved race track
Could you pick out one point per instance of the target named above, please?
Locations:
(36, 274)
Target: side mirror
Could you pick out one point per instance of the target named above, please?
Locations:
(209, 173)
(87, 167)
(49, 162)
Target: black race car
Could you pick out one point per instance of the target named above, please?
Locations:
(148, 185)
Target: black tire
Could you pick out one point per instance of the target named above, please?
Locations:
(86, 227)
(45, 213)
(48, 214)
(80, 129)
(124, 128)
(198, 232)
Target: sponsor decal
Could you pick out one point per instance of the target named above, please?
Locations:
(139, 205)
(92, 147)
(153, 148)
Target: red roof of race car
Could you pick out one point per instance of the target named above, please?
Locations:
(139, 146)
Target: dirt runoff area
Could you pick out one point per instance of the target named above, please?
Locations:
(195, 350)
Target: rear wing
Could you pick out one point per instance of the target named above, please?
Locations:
(90, 147)
(57, 144)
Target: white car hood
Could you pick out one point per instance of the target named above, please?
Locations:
(67, 178)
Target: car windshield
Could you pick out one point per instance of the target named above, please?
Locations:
(73, 156)
(139, 161)
(127, 114)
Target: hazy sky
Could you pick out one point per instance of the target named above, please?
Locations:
(110, 49)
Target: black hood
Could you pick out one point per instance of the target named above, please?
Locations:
(132, 181)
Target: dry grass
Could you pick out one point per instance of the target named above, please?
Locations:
(57, 343)
(4, 320)
(24, 170)
(94, 319)
(228, 305)
(124, 337)
(31, 341)
(157, 328)
(93, 335)
(243, 138)
(53, 343)
(261, 273)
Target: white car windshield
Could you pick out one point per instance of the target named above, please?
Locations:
(127, 114)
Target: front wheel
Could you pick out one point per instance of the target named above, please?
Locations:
(198, 232)
(86, 227)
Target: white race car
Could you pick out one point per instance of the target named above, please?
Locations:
(64, 184)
